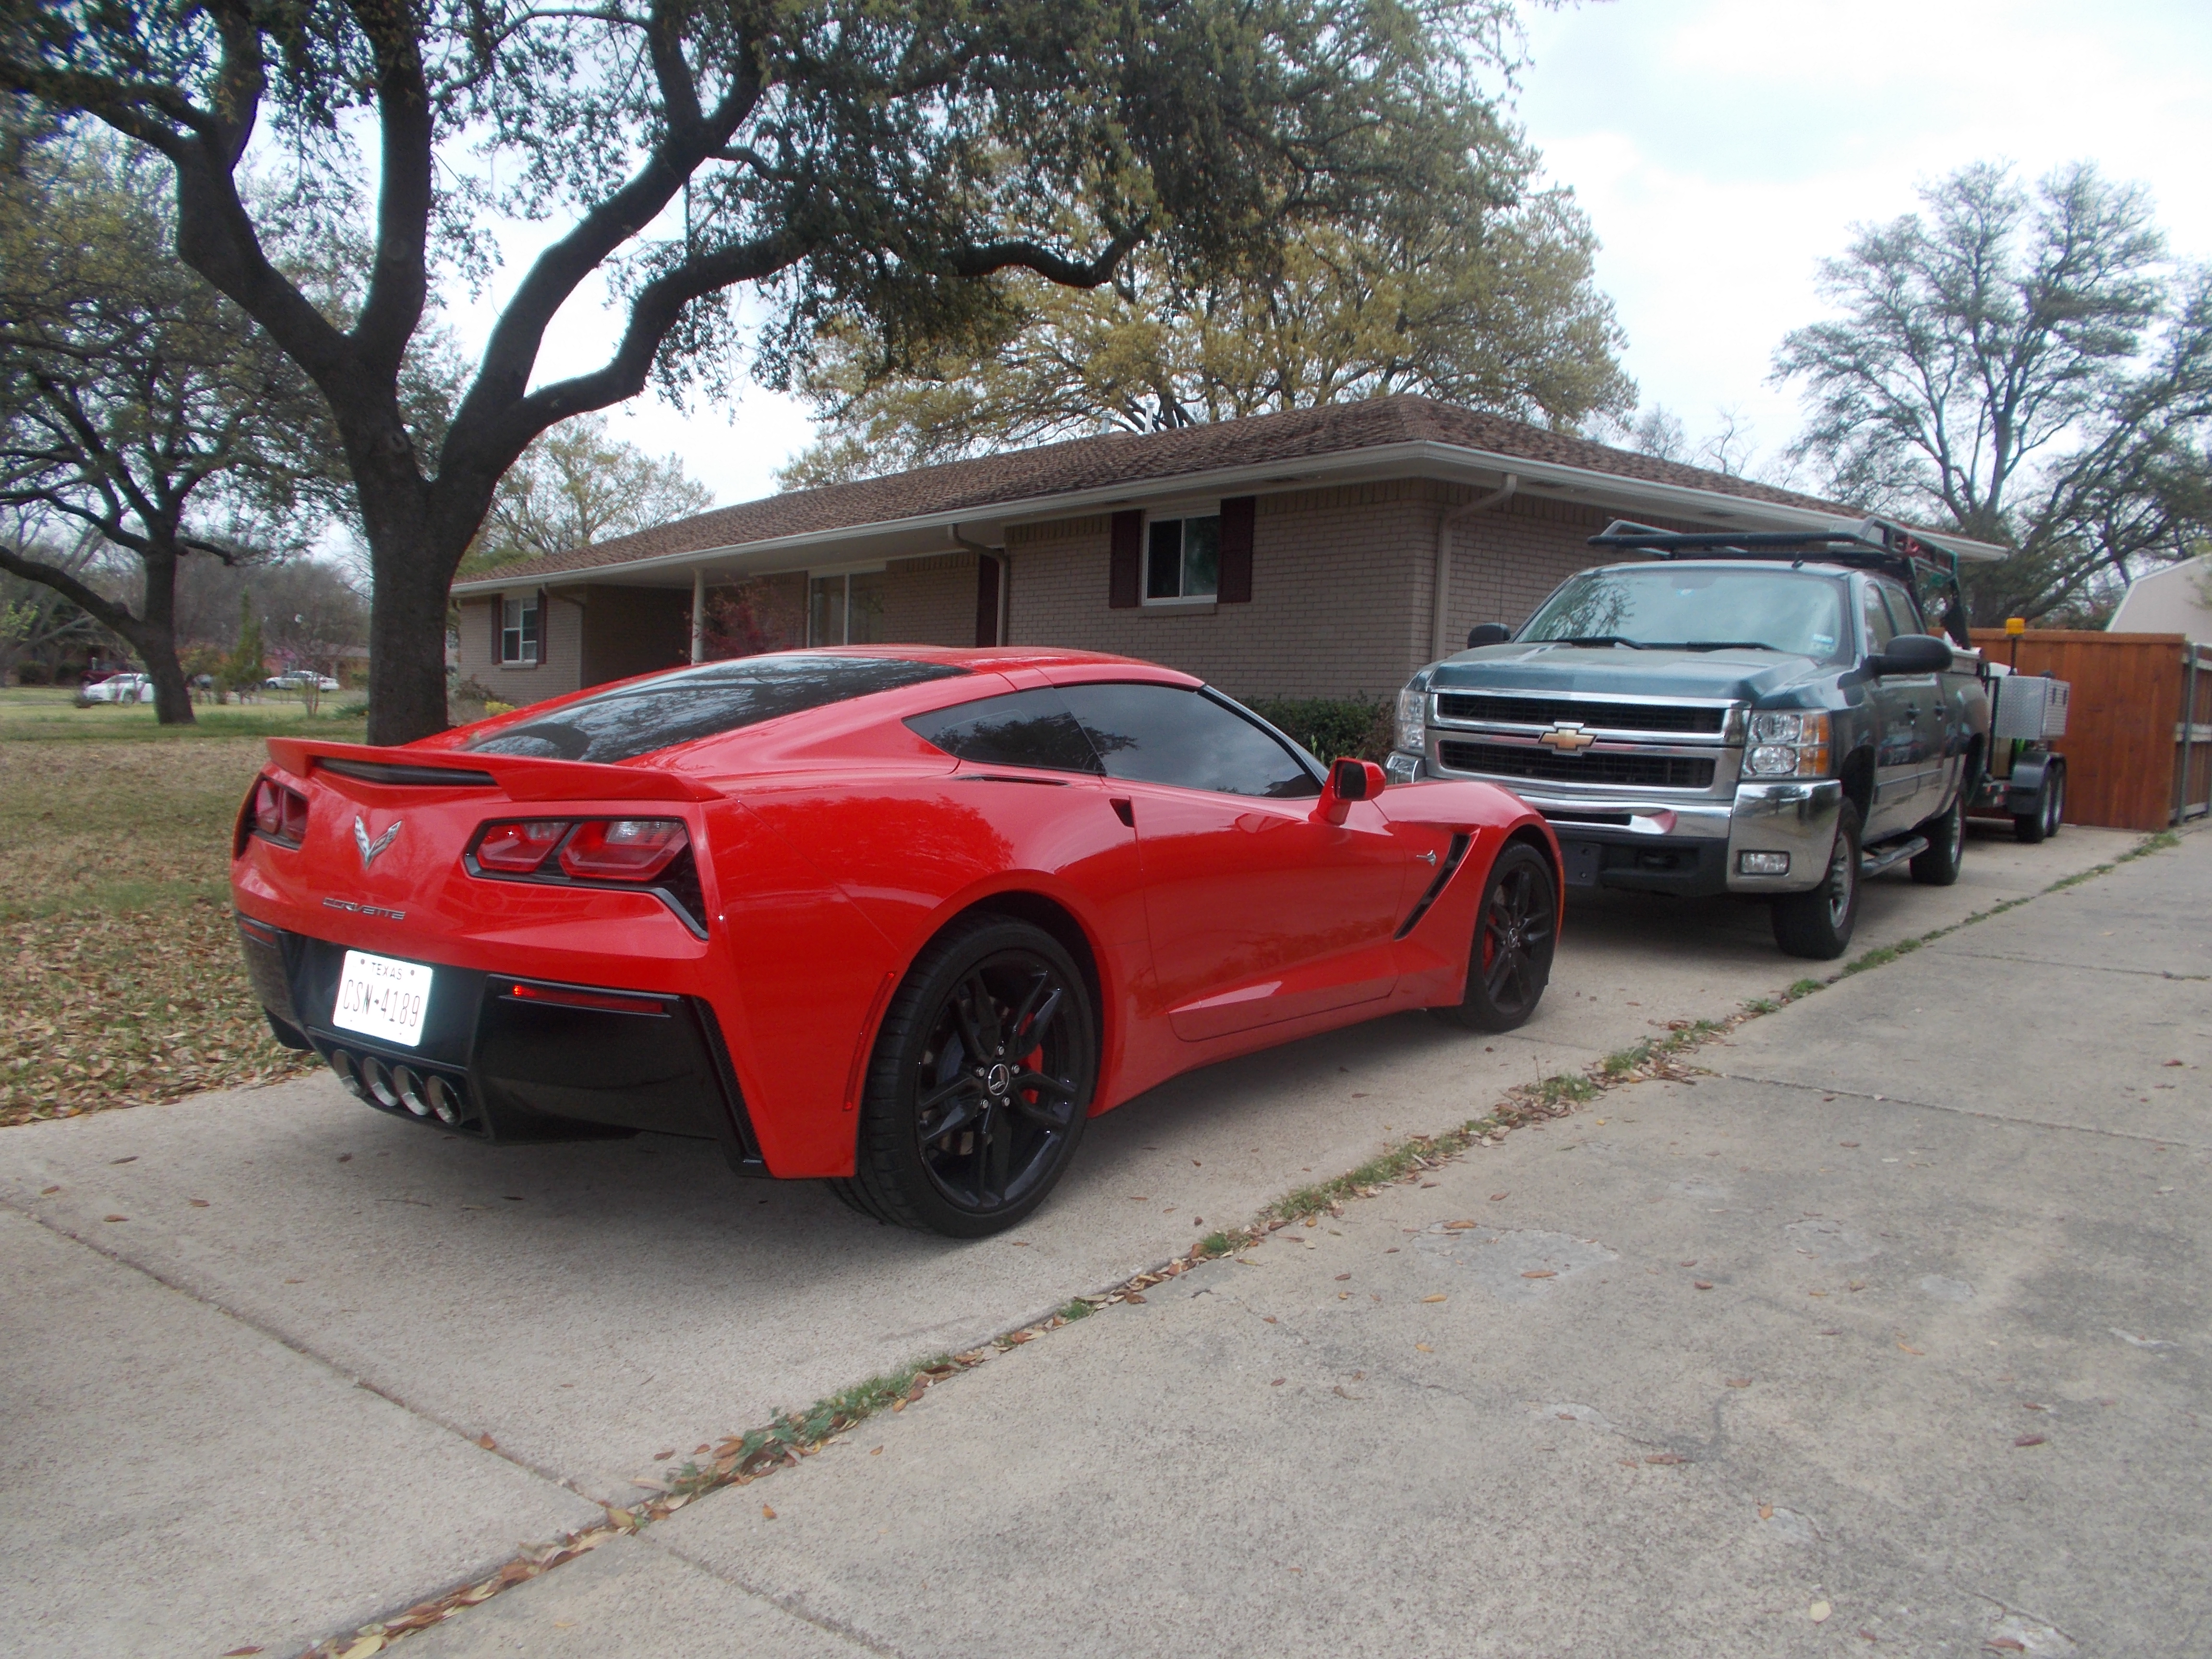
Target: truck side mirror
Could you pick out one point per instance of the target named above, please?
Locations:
(1912, 654)
(1487, 633)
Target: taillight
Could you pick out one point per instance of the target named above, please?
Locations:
(589, 850)
(277, 813)
(623, 849)
(517, 849)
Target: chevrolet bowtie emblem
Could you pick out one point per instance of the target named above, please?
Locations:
(369, 848)
(1566, 737)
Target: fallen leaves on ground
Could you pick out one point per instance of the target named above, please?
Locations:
(127, 986)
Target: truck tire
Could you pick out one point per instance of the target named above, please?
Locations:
(1947, 847)
(1819, 924)
(2049, 809)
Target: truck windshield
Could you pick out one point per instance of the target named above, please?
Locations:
(1697, 607)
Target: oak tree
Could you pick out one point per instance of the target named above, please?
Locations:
(1480, 293)
(847, 164)
(2025, 364)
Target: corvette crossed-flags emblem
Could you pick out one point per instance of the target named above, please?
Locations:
(369, 850)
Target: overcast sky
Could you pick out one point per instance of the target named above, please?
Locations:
(1721, 147)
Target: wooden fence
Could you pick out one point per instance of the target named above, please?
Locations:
(2135, 759)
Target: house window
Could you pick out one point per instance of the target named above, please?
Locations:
(846, 610)
(1183, 559)
(517, 631)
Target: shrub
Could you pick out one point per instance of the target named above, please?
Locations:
(1332, 727)
(34, 673)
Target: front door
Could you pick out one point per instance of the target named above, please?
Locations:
(1896, 701)
(1258, 911)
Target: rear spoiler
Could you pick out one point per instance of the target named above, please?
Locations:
(517, 776)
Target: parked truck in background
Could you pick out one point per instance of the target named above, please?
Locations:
(1765, 715)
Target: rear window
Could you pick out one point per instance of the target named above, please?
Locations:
(701, 702)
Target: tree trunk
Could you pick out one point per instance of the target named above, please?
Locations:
(154, 638)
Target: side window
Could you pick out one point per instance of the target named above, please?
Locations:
(1902, 610)
(1879, 630)
(1027, 728)
(1164, 734)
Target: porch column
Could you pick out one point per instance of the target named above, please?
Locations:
(698, 615)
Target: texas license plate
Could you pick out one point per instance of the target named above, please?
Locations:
(378, 997)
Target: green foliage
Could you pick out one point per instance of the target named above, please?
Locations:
(841, 168)
(1480, 293)
(2027, 367)
(1333, 728)
(575, 487)
(246, 666)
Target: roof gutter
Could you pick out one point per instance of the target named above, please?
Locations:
(1422, 457)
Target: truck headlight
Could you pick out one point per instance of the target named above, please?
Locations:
(1412, 729)
(1788, 745)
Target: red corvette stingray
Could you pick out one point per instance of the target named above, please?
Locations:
(899, 917)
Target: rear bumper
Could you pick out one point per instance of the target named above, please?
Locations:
(513, 1058)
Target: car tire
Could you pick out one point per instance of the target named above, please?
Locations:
(1947, 847)
(980, 1083)
(1818, 925)
(1517, 929)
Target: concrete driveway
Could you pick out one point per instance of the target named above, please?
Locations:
(1867, 1340)
(292, 1364)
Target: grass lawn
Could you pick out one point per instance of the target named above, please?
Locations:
(126, 985)
(49, 713)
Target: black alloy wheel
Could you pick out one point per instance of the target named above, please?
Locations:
(980, 1083)
(1516, 928)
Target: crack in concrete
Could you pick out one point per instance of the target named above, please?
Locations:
(1961, 1111)
(2082, 967)
(291, 1344)
(827, 1624)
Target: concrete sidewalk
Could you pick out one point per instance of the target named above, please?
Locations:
(1890, 1332)
(586, 1308)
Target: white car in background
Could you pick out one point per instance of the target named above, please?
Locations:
(300, 680)
(117, 687)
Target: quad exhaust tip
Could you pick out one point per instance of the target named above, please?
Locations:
(398, 1088)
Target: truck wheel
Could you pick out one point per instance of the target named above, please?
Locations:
(1510, 957)
(1946, 848)
(2032, 825)
(2054, 797)
(1819, 924)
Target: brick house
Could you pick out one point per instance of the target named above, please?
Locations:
(1289, 556)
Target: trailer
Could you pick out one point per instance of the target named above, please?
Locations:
(2026, 779)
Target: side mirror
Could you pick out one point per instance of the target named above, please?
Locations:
(1487, 633)
(1912, 654)
(1349, 781)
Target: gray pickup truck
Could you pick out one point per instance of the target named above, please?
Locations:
(1765, 715)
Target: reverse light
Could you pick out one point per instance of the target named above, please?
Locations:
(1788, 744)
(623, 849)
(517, 849)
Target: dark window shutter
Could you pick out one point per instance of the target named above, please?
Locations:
(498, 628)
(1122, 576)
(544, 628)
(1236, 584)
(987, 600)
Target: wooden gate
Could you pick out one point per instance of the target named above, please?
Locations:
(2135, 759)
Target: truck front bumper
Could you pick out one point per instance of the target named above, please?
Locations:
(1771, 838)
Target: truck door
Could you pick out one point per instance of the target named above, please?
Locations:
(1896, 701)
(1934, 717)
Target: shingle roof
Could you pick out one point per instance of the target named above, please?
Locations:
(1137, 460)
